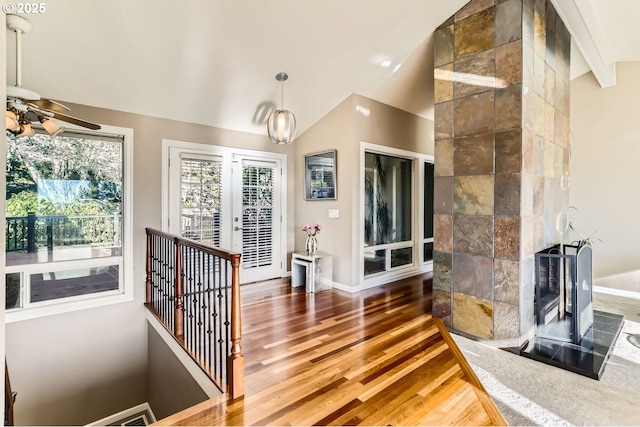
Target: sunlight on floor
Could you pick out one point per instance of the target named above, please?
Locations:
(623, 348)
(517, 402)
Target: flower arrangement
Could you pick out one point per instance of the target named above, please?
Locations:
(312, 230)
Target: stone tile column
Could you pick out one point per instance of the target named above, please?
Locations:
(501, 161)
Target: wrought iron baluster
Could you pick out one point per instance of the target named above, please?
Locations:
(188, 289)
(208, 360)
(224, 283)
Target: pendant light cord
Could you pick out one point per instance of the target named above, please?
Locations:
(282, 94)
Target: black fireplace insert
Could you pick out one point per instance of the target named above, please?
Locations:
(563, 292)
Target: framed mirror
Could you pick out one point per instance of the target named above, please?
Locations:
(320, 176)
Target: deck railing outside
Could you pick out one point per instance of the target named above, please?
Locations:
(194, 290)
(28, 233)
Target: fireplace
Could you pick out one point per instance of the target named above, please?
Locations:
(563, 293)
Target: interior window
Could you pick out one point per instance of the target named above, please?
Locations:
(387, 213)
(428, 212)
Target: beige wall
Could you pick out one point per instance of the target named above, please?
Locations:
(333, 132)
(354, 120)
(605, 171)
(79, 367)
(3, 95)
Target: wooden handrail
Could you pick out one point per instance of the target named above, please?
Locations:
(169, 307)
(220, 253)
(9, 397)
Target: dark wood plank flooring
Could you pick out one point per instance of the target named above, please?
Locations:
(372, 358)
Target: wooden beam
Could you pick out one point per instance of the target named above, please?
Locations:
(581, 19)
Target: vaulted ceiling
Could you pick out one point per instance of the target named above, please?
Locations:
(214, 62)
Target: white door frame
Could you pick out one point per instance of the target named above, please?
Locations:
(217, 150)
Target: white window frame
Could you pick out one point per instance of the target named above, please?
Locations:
(417, 214)
(124, 293)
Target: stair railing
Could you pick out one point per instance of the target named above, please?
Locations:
(194, 290)
(9, 398)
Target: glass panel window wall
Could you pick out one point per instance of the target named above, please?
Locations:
(388, 201)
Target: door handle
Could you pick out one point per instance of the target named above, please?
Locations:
(237, 228)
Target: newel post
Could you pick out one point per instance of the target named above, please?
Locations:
(236, 358)
(178, 312)
(148, 266)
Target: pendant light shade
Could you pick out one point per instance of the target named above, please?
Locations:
(281, 124)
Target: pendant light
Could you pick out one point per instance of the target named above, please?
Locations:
(281, 124)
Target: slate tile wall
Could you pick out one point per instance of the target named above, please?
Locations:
(501, 71)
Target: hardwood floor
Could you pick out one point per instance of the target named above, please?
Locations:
(372, 358)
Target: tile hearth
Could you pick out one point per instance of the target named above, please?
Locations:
(587, 358)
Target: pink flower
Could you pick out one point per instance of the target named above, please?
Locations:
(312, 229)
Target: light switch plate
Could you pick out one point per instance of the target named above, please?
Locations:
(334, 213)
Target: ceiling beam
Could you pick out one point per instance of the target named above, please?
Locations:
(581, 19)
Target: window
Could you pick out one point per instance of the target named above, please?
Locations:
(200, 199)
(387, 213)
(428, 213)
(396, 214)
(67, 221)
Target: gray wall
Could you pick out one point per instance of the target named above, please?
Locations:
(171, 386)
(79, 367)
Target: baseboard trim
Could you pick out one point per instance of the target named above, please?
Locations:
(616, 292)
(342, 287)
(384, 279)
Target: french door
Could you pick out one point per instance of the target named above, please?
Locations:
(229, 200)
(256, 218)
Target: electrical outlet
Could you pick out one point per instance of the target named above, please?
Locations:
(334, 213)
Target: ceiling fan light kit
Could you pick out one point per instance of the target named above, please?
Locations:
(25, 128)
(52, 128)
(23, 105)
(281, 125)
(11, 121)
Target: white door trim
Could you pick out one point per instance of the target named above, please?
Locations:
(209, 149)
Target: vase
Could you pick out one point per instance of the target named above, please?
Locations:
(311, 245)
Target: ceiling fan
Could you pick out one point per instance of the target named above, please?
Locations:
(25, 106)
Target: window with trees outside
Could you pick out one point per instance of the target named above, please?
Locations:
(66, 221)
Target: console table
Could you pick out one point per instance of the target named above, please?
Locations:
(314, 272)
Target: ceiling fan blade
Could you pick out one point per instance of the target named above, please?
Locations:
(76, 121)
(48, 104)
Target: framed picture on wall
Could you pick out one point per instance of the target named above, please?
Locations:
(320, 176)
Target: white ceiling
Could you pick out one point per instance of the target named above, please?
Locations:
(214, 62)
